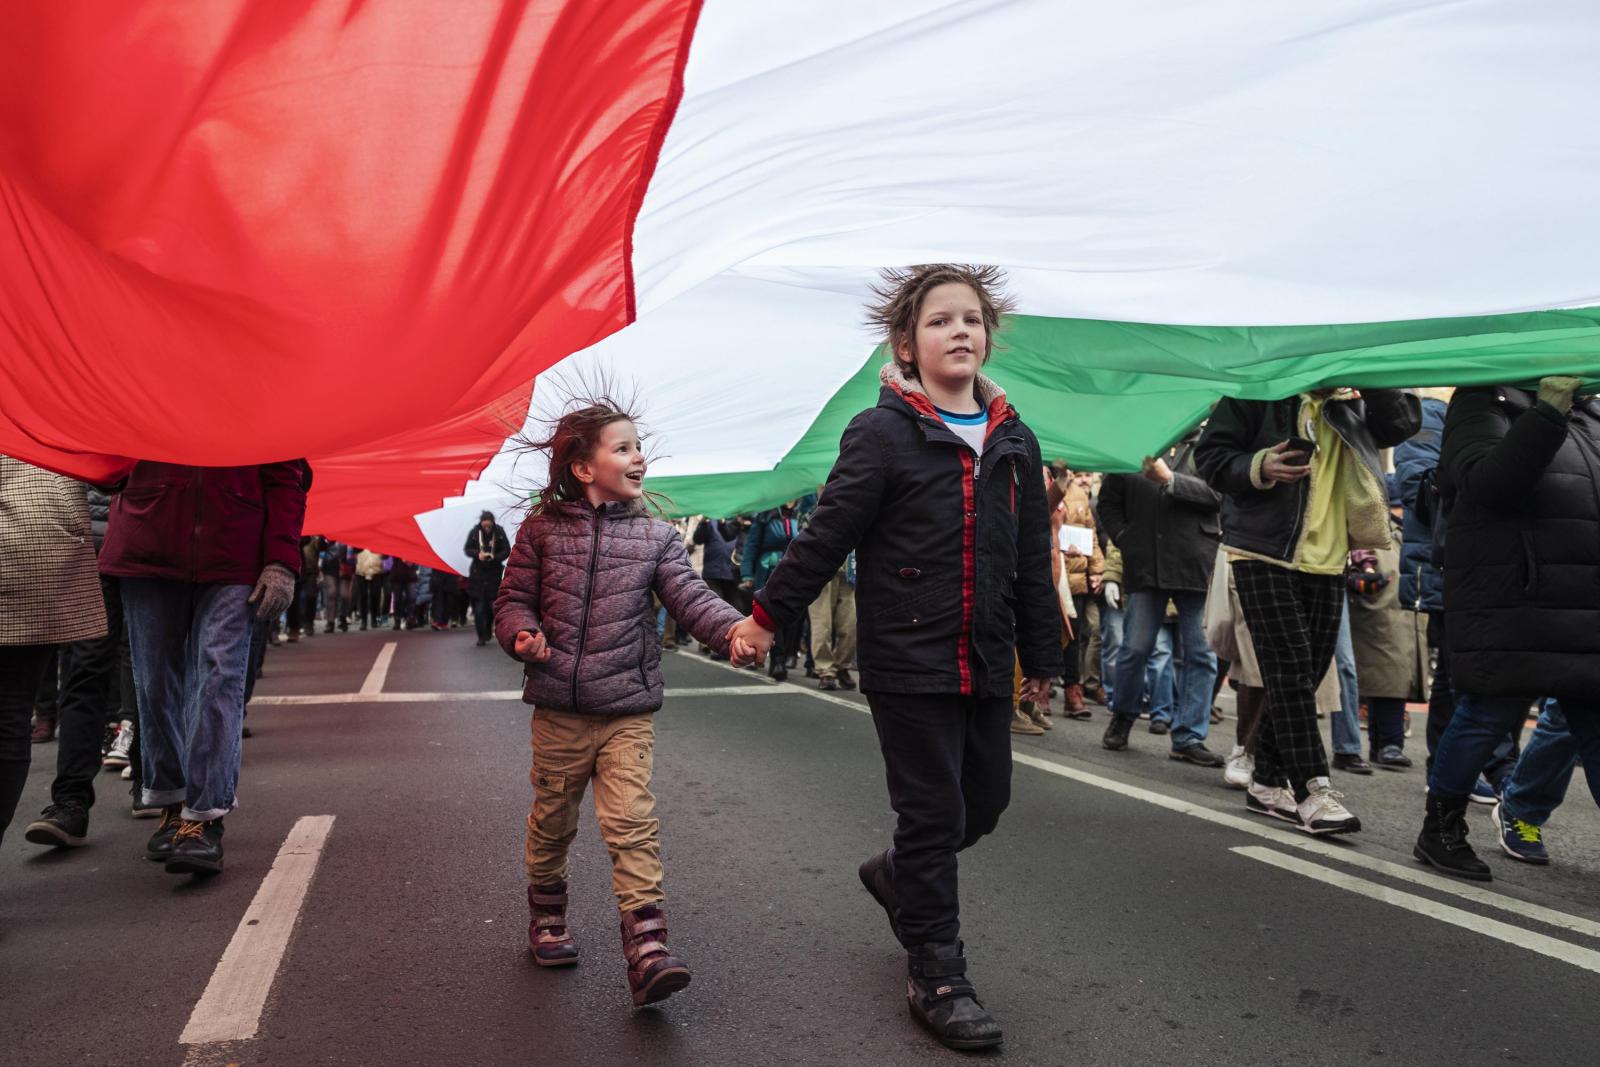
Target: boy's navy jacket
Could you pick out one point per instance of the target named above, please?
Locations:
(952, 551)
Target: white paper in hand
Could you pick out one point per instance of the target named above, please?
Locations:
(1079, 537)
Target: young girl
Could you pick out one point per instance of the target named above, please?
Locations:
(575, 607)
(938, 490)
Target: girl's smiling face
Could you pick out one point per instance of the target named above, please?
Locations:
(616, 470)
(950, 340)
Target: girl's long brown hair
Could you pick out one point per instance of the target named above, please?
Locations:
(574, 439)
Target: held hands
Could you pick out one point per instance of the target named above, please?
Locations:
(531, 648)
(1558, 391)
(1283, 465)
(1036, 690)
(748, 642)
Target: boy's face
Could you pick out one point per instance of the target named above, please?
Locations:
(950, 340)
(616, 470)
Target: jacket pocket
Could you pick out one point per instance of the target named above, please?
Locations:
(1530, 563)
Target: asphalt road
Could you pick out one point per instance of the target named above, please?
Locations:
(1112, 919)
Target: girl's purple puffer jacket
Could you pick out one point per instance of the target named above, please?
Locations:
(584, 576)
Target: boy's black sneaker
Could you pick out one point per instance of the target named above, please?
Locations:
(1117, 731)
(196, 848)
(941, 998)
(159, 848)
(60, 825)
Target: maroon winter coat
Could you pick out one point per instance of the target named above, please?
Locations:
(584, 576)
(206, 524)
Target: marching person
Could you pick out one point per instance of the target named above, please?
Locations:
(203, 553)
(488, 548)
(935, 488)
(1302, 485)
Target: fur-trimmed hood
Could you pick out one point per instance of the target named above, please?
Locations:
(892, 375)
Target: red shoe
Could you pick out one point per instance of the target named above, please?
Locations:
(548, 937)
(1073, 705)
(654, 974)
(43, 730)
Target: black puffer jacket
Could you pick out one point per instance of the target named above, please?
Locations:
(1521, 484)
(1167, 533)
(1268, 519)
(953, 551)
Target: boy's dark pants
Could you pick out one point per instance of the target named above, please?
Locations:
(948, 763)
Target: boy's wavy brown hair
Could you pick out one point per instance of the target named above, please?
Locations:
(900, 292)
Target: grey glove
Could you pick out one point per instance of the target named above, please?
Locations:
(273, 591)
(1557, 391)
(1113, 595)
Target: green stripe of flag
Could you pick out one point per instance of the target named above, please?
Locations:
(1103, 395)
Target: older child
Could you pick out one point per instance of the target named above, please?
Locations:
(574, 606)
(937, 488)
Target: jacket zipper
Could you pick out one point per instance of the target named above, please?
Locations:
(588, 598)
(1016, 480)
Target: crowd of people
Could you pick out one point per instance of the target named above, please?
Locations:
(1339, 555)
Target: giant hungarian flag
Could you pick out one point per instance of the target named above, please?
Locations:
(249, 230)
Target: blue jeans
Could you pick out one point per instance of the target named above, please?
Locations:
(191, 649)
(1481, 723)
(1195, 663)
(1160, 680)
(1538, 783)
(1347, 720)
(1110, 647)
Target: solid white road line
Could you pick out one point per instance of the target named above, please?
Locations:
(380, 669)
(230, 1008)
(1587, 958)
(1276, 833)
(1343, 853)
(496, 694)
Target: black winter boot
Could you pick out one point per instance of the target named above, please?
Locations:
(1443, 841)
(877, 874)
(1116, 736)
(941, 998)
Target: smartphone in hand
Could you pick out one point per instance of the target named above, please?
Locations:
(1303, 445)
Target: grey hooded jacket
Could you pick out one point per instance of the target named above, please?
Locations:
(583, 576)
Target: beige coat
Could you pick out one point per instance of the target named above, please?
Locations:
(1391, 643)
(49, 588)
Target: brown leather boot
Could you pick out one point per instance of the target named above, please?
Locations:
(654, 974)
(43, 730)
(1073, 702)
(548, 937)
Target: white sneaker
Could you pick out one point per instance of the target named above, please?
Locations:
(1239, 769)
(117, 755)
(1273, 801)
(1321, 812)
(127, 773)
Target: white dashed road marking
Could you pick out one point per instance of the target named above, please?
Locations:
(230, 1008)
(380, 669)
